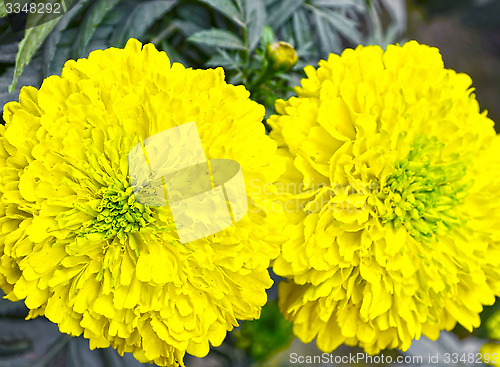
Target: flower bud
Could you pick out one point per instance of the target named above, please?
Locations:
(281, 55)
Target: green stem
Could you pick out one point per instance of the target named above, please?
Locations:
(266, 72)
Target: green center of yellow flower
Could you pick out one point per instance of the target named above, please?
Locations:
(118, 213)
(423, 191)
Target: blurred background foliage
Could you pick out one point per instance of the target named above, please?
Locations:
(235, 34)
(199, 33)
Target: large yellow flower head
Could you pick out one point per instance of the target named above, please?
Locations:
(79, 248)
(393, 197)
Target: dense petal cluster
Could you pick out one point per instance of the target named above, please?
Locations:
(392, 194)
(78, 247)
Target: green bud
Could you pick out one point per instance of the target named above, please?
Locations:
(281, 56)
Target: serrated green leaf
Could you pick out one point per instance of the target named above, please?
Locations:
(218, 38)
(32, 40)
(227, 8)
(140, 19)
(282, 12)
(256, 18)
(92, 19)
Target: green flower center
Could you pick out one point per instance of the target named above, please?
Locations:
(423, 191)
(118, 213)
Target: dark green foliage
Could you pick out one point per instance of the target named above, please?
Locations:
(266, 336)
(198, 33)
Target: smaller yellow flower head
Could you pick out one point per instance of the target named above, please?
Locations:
(392, 194)
(77, 246)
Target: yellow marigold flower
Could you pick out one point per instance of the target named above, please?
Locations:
(393, 198)
(76, 245)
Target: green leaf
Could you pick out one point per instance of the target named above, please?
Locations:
(36, 19)
(398, 12)
(172, 53)
(92, 19)
(31, 75)
(338, 4)
(283, 12)
(301, 29)
(140, 19)
(49, 49)
(267, 36)
(227, 8)
(3, 11)
(187, 28)
(344, 26)
(220, 60)
(256, 20)
(328, 40)
(33, 38)
(114, 19)
(55, 60)
(223, 59)
(218, 38)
